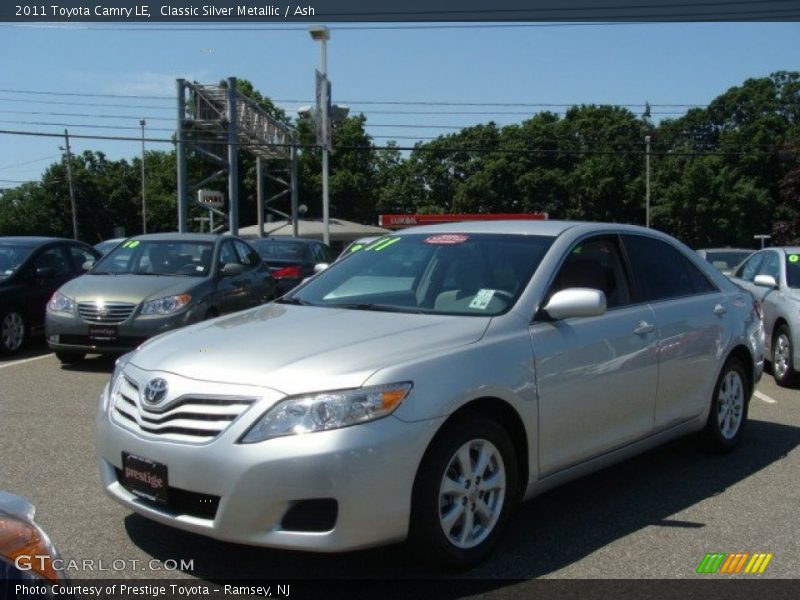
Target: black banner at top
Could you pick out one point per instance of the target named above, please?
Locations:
(321, 11)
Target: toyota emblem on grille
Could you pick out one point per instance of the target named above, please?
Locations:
(155, 391)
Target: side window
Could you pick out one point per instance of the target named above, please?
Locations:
(53, 258)
(749, 269)
(228, 253)
(78, 256)
(595, 263)
(664, 272)
(247, 256)
(771, 265)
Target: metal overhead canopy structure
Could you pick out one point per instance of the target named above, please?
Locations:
(215, 121)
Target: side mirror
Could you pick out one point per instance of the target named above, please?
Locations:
(576, 302)
(232, 269)
(87, 265)
(767, 281)
(320, 267)
(45, 272)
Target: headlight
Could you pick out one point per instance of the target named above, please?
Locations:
(327, 410)
(60, 303)
(23, 544)
(166, 306)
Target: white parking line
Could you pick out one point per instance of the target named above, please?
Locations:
(24, 360)
(764, 397)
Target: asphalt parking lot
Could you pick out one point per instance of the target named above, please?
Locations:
(654, 516)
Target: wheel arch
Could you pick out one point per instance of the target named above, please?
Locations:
(507, 417)
(742, 353)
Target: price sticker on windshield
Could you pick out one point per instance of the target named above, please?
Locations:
(793, 258)
(447, 239)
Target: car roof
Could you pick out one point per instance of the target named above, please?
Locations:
(725, 250)
(283, 240)
(174, 236)
(27, 240)
(523, 227)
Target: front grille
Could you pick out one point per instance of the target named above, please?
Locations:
(182, 502)
(105, 313)
(189, 418)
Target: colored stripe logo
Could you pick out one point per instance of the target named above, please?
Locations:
(739, 562)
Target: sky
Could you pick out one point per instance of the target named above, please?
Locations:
(86, 69)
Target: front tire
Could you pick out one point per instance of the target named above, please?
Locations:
(466, 487)
(729, 404)
(13, 332)
(782, 357)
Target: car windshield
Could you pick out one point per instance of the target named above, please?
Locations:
(11, 257)
(269, 250)
(726, 259)
(793, 270)
(161, 257)
(461, 274)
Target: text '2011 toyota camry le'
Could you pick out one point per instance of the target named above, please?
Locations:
(422, 387)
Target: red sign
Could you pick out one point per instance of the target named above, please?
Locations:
(400, 221)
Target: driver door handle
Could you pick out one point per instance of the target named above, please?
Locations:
(644, 327)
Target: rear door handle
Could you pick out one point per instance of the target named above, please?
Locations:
(644, 327)
(719, 309)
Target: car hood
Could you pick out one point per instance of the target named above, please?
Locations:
(297, 349)
(126, 288)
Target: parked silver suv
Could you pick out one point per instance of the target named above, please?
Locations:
(423, 386)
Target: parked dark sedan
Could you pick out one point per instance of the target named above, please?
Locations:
(151, 284)
(31, 269)
(292, 259)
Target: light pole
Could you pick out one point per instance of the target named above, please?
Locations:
(144, 202)
(647, 183)
(321, 34)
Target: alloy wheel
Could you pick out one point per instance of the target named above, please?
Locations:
(13, 331)
(781, 356)
(472, 493)
(730, 407)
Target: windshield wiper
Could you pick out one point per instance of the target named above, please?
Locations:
(294, 301)
(376, 307)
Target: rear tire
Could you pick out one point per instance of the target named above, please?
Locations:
(729, 404)
(782, 357)
(13, 332)
(465, 490)
(69, 358)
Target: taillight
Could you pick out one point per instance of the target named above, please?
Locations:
(757, 308)
(287, 272)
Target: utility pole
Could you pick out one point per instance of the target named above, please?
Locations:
(71, 187)
(144, 201)
(647, 182)
(322, 34)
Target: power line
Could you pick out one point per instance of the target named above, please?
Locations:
(483, 150)
(28, 162)
(101, 104)
(91, 116)
(88, 126)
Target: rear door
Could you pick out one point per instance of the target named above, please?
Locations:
(233, 290)
(596, 375)
(690, 315)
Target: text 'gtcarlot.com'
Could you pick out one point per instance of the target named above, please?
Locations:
(29, 562)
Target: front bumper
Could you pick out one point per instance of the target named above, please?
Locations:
(68, 332)
(367, 469)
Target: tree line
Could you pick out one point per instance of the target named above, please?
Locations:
(719, 175)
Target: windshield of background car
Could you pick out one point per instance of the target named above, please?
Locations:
(280, 250)
(162, 257)
(726, 260)
(461, 274)
(793, 270)
(11, 257)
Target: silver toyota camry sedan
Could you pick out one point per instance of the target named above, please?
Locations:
(424, 386)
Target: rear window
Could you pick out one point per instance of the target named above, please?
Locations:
(281, 251)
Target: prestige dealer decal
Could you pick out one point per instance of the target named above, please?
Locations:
(146, 11)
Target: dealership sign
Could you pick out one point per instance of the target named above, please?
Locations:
(210, 198)
(400, 221)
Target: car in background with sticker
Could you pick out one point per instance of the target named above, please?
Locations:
(421, 387)
(725, 259)
(772, 275)
(292, 260)
(31, 269)
(151, 284)
(106, 246)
